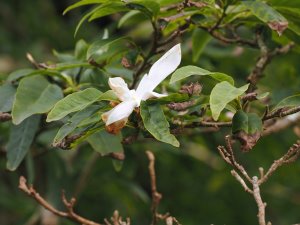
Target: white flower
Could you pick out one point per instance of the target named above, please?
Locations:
(130, 99)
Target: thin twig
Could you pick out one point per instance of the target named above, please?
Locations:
(260, 204)
(69, 214)
(156, 196)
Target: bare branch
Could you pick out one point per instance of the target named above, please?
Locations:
(70, 214)
(156, 196)
(292, 154)
(241, 181)
(260, 204)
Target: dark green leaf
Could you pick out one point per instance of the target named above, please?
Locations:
(35, 95)
(73, 103)
(290, 101)
(20, 139)
(248, 122)
(268, 15)
(7, 95)
(156, 123)
(105, 143)
(84, 2)
(72, 123)
(175, 97)
(108, 9)
(200, 39)
(103, 50)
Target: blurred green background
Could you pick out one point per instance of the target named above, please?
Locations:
(196, 184)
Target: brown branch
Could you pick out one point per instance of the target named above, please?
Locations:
(156, 196)
(264, 59)
(70, 214)
(241, 181)
(292, 154)
(260, 204)
(5, 117)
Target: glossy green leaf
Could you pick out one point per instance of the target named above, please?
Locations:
(267, 14)
(187, 71)
(221, 95)
(81, 49)
(133, 15)
(74, 121)
(156, 123)
(7, 95)
(248, 122)
(200, 39)
(83, 3)
(108, 9)
(105, 143)
(35, 95)
(147, 7)
(103, 50)
(290, 101)
(73, 103)
(20, 139)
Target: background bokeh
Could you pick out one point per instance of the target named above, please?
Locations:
(196, 184)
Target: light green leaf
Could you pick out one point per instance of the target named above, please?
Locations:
(105, 143)
(7, 95)
(20, 139)
(221, 95)
(108, 96)
(200, 39)
(187, 71)
(290, 101)
(156, 123)
(248, 122)
(35, 95)
(81, 49)
(73, 103)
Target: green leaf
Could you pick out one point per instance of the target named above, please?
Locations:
(148, 7)
(105, 143)
(131, 18)
(221, 95)
(73, 103)
(156, 123)
(175, 97)
(199, 39)
(35, 95)
(187, 71)
(82, 3)
(7, 93)
(74, 121)
(20, 139)
(290, 101)
(81, 49)
(19, 74)
(108, 96)
(108, 9)
(103, 50)
(268, 15)
(248, 122)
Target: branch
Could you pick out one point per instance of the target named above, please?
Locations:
(5, 117)
(156, 196)
(260, 204)
(264, 59)
(69, 214)
(291, 156)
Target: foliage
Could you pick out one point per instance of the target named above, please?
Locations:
(63, 100)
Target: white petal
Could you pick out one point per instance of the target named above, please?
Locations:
(160, 70)
(152, 94)
(119, 86)
(121, 111)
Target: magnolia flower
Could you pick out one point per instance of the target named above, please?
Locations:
(130, 99)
